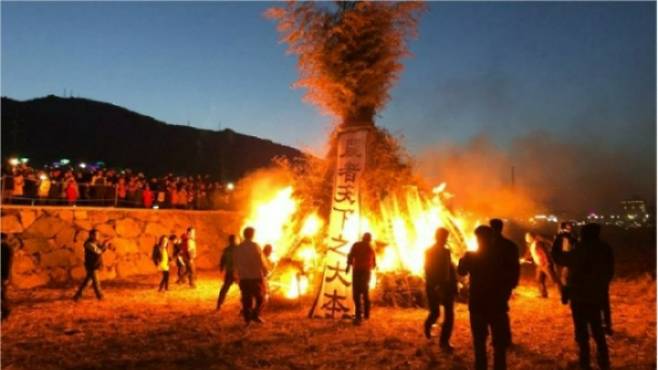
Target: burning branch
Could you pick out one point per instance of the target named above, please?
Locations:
(349, 53)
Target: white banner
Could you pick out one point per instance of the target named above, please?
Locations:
(334, 299)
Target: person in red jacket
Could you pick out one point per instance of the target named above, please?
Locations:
(362, 260)
(147, 196)
(71, 191)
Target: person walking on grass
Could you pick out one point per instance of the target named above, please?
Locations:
(441, 288)
(487, 302)
(93, 262)
(160, 257)
(591, 267)
(226, 266)
(538, 249)
(362, 261)
(251, 270)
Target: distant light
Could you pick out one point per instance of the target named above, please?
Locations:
(83, 165)
(25, 160)
(64, 161)
(43, 176)
(155, 206)
(230, 186)
(14, 161)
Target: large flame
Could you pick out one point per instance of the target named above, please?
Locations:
(402, 229)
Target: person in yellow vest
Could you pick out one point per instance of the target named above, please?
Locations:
(161, 261)
(44, 186)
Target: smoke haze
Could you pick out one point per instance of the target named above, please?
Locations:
(550, 175)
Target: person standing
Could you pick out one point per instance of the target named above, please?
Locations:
(7, 257)
(511, 268)
(189, 254)
(591, 267)
(249, 265)
(93, 261)
(566, 240)
(487, 301)
(161, 261)
(362, 260)
(441, 287)
(178, 257)
(226, 266)
(147, 196)
(539, 253)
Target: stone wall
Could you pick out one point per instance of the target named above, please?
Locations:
(48, 241)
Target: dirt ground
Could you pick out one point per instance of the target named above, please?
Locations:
(137, 327)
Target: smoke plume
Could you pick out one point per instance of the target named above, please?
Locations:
(550, 175)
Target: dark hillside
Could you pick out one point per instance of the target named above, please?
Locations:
(51, 128)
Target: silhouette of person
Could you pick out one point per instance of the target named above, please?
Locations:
(566, 240)
(6, 261)
(441, 287)
(591, 267)
(487, 301)
(188, 250)
(249, 264)
(226, 266)
(93, 262)
(511, 267)
(539, 252)
(362, 260)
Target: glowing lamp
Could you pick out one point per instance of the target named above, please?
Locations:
(14, 161)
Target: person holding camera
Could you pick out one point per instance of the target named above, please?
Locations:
(93, 261)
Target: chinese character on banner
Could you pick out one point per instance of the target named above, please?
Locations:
(334, 298)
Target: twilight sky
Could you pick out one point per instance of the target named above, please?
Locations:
(573, 70)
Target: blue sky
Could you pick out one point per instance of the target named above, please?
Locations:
(506, 69)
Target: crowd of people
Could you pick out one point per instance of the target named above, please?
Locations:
(22, 184)
(581, 267)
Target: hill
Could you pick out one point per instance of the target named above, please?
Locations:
(50, 128)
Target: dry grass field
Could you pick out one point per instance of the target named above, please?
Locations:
(136, 327)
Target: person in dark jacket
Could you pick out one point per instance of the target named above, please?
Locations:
(591, 267)
(7, 256)
(441, 287)
(93, 261)
(226, 266)
(511, 268)
(566, 240)
(362, 260)
(487, 301)
(178, 257)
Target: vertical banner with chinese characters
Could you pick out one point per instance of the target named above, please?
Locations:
(334, 299)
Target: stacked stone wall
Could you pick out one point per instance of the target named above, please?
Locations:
(48, 241)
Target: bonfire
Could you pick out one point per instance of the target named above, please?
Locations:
(349, 56)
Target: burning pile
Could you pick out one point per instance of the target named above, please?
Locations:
(349, 56)
(403, 228)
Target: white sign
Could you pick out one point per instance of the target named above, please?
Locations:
(335, 298)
